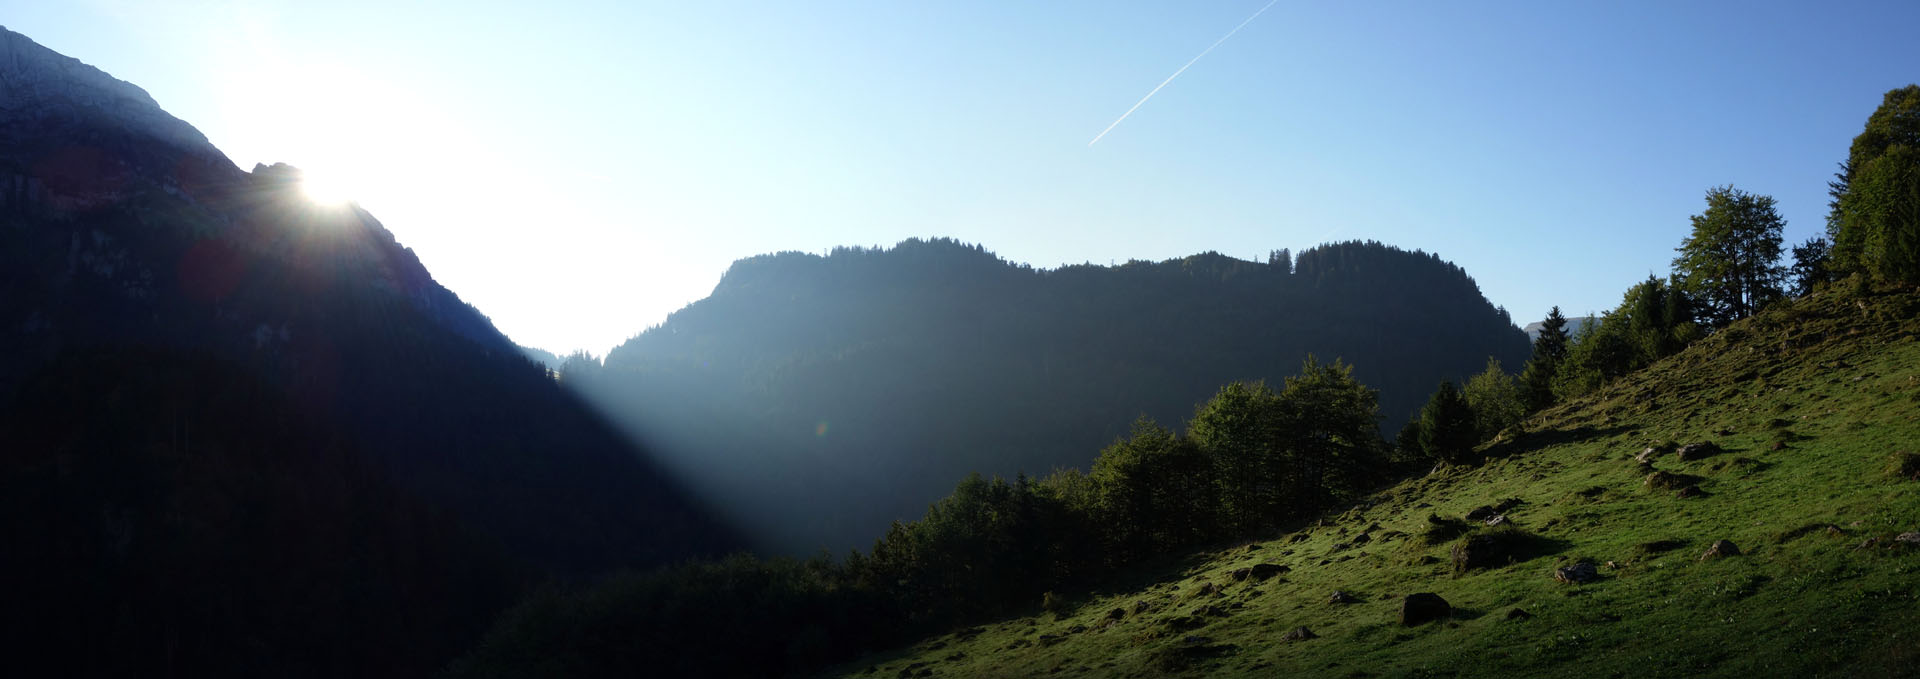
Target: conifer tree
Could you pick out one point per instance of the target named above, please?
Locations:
(1446, 426)
(1549, 352)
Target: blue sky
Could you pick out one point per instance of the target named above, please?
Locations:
(582, 169)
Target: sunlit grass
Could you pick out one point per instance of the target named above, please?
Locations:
(1810, 402)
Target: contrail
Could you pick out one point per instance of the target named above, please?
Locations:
(1183, 69)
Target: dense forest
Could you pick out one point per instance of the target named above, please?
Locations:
(885, 373)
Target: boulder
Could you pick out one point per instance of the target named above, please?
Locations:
(1689, 493)
(1670, 481)
(1340, 597)
(1909, 539)
(1646, 456)
(1423, 608)
(1262, 571)
(1497, 520)
(1720, 548)
(1299, 634)
(1518, 614)
(1494, 548)
(1482, 513)
(1698, 451)
(1116, 614)
(1576, 574)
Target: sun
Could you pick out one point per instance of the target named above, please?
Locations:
(325, 188)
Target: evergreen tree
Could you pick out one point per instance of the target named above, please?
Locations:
(1730, 261)
(1549, 351)
(1446, 426)
(1874, 217)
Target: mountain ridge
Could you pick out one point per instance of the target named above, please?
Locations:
(888, 372)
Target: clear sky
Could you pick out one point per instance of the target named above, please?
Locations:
(578, 170)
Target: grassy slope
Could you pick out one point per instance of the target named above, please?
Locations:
(1836, 380)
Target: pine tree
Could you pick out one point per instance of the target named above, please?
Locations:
(1549, 352)
(1446, 426)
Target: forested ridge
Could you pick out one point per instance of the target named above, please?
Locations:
(885, 373)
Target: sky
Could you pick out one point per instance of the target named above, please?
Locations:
(579, 170)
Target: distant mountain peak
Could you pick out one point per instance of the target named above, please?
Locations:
(40, 85)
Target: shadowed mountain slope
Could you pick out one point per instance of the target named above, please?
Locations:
(264, 402)
(826, 396)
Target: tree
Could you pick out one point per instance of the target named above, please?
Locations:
(1730, 262)
(1329, 436)
(1549, 351)
(1446, 426)
(1810, 265)
(1495, 399)
(1239, 431)
(1874, 217)
(1653, 321)
(1155, 491)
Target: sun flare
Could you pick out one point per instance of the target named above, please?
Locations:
(325, 188)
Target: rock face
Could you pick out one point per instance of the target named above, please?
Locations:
(43, 86)
(1425, 607)
(1578, 573)
(1720, 548)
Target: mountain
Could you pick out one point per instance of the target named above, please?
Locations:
(1575, 326)
(1809, 409)
(826, 396)
(247, 434)
(543, 357)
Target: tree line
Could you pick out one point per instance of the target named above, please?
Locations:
(1731, 265)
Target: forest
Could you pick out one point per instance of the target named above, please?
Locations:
(888, 372)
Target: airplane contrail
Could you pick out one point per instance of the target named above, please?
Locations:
(1183, 69)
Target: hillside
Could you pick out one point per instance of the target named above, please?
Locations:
(1812, 406)
(858, 385)
(237, 426)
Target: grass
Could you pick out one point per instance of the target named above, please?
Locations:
(1812, 403)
